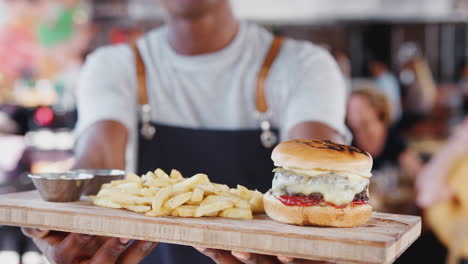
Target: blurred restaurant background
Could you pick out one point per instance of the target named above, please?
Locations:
(405, 63)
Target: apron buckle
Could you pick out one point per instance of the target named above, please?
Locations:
(148, 131)
(268, 138)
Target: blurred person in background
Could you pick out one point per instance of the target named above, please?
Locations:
(441, 191)
(386, 83)
(432, 183)
(194, 83)
(369, 118)
(419, 87)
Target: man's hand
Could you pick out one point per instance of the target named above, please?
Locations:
(66, 248)
(232, 257)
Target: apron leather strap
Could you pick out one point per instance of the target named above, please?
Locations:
(260, 99)
(141, 75)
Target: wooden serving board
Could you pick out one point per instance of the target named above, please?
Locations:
(381, 240)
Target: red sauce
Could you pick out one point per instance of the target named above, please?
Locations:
(361, 202)
(292, 200)
(337, 206)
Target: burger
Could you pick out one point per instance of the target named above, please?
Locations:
(319, 183)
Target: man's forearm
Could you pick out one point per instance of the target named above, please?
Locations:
(102, 146)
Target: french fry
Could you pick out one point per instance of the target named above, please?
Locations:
(132, 177)
(158, 182)
(241, 203)
(229, 194)
(257, 193)
(217, 198)
(213, 207)
(213, 214)
(220, 187)
(106, 203)
(138, 208)
(236, 213)
(118, 182)
(256, 204)
(104, 192)
(159, 212)
(120, 197)
(244, 192)
(189, 202)
(106, 186)
(154, 190)
(178, 200)
(161, 174)
(161, 197)
(149, 192)
(197, 196)
(176, 176)
(185, 211)
(207, 188)
(148, 176)
(130, 187)
(188, 184)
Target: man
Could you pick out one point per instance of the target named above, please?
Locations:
(417, 81)
(206, 83)
(387, 84)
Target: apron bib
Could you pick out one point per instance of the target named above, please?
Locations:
(227, 156)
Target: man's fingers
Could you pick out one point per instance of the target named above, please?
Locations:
(137, 252)
(110, 251)
(219, 256)
(74, 246)
(249, 258)
(55, 237)
(286, 259)
(35, 232)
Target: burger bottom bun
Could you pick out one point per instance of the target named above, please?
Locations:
(327, 216)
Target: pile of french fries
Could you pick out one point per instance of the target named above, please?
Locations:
(159, 194)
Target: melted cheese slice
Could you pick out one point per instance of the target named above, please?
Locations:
(316, 172)
(337, 187)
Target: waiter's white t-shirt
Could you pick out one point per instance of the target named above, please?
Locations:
(212, 91)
